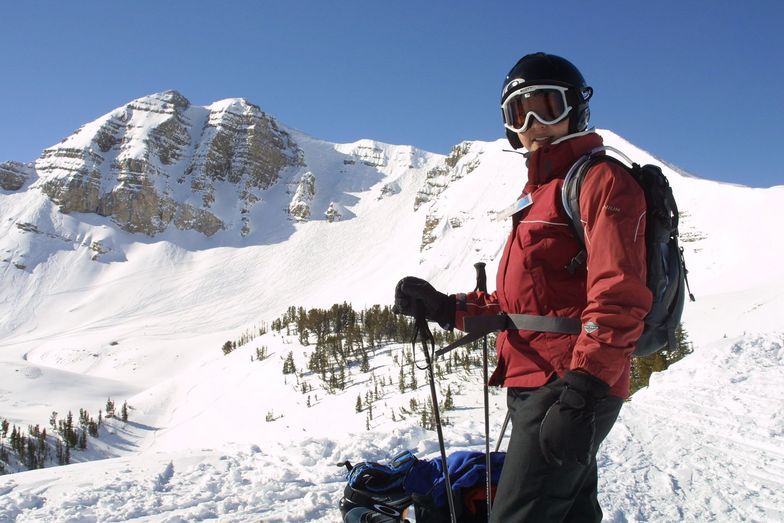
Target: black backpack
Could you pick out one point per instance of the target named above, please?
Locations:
(667, 272)
(374, 492)
(381, 492)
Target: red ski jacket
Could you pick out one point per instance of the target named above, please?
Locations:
(608, 292)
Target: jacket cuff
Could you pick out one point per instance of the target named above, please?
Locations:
(460, 302)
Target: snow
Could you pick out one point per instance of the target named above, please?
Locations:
(145, 323)
(707, 451)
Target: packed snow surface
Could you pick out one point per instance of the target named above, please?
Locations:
(214, 437)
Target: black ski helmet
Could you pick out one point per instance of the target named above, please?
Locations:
(549, 69)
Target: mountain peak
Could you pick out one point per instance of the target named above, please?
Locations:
(235, 105)
(170, 97)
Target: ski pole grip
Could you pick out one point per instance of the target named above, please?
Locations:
(481, 277)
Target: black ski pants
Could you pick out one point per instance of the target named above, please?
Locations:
(532, 491)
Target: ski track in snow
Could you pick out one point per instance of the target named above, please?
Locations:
(696, 452)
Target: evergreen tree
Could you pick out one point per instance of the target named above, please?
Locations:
(43, 450)
(71, 437)
(684, 346)
(109, 408)
(304, 337)
(365, 366)
(261, 353)
(425, 419)
(449, 402)
(84, 418)
(3, 457)
(124, 412)
(227, 347)
(59, 451)
(644, 367)
(30, 457)
(12, 439)
(288, 364)
(359, 403)
(18, 441)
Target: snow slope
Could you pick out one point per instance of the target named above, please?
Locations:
(703, 443)
(712, 455)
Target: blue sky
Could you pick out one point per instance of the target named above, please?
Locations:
(696, 83)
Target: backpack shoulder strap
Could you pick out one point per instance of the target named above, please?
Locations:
(570, 196)
(573, 182)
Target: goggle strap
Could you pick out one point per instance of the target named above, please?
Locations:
(576, 96)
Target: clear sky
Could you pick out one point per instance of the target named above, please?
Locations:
(696, 83)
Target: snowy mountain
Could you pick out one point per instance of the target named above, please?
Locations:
(134, 249)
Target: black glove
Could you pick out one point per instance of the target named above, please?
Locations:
(567, 430)
(438, 306)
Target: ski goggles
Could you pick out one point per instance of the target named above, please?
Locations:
(546, 103)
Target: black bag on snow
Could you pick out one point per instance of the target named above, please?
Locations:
(374, 491)
(666, 266)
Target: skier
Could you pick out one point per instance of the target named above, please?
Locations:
(564, 391)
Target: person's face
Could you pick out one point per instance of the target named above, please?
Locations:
(539, 134)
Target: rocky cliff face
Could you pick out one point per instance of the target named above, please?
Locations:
(460, 162)
(160, 160)
(13, 175)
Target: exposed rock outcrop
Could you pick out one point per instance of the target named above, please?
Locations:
(13, 175)
(453, 168)
(333, 213)
(458, 164)
(299, 208)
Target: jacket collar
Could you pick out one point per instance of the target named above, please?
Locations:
(554, 160)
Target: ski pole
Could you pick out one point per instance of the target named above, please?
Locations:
(481, 285)
(503, 430)
(424, 332)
